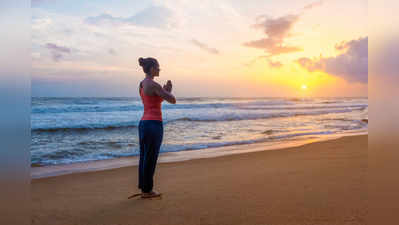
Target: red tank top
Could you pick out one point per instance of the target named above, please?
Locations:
(152, 106)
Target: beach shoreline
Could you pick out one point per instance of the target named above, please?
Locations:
(38, 172)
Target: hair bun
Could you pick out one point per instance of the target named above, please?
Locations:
(141, 61)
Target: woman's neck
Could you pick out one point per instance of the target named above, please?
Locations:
(149, 77)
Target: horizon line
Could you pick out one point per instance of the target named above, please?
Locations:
(201, 97)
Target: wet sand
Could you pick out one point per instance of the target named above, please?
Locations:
(318, 183)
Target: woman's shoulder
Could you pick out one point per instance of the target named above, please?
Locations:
(151, 84)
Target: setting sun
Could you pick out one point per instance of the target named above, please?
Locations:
(304, 87)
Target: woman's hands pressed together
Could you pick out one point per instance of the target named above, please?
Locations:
(168, 86)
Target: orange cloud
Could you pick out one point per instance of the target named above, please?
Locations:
(277, 30)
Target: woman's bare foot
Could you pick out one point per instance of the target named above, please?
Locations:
(151, 194)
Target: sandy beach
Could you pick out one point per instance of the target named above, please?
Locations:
(319, 183)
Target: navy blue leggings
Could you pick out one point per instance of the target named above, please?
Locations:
(150, 136)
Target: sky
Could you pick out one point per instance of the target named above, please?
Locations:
(224, 48)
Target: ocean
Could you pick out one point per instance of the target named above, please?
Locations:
(71, 130)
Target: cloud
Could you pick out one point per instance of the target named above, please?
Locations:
(274, 64)
(313, 5)
(58, 48)
(270, 62)
(205, 47)
(310, 65)
(277, 30)
(351, 64)
(154, 16)
(105, 19)
(57, 51)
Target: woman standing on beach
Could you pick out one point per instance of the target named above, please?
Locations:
(150, 126)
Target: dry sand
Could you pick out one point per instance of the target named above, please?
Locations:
(319, 183)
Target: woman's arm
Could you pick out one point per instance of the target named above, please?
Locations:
(164, 94)
(140, 86)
